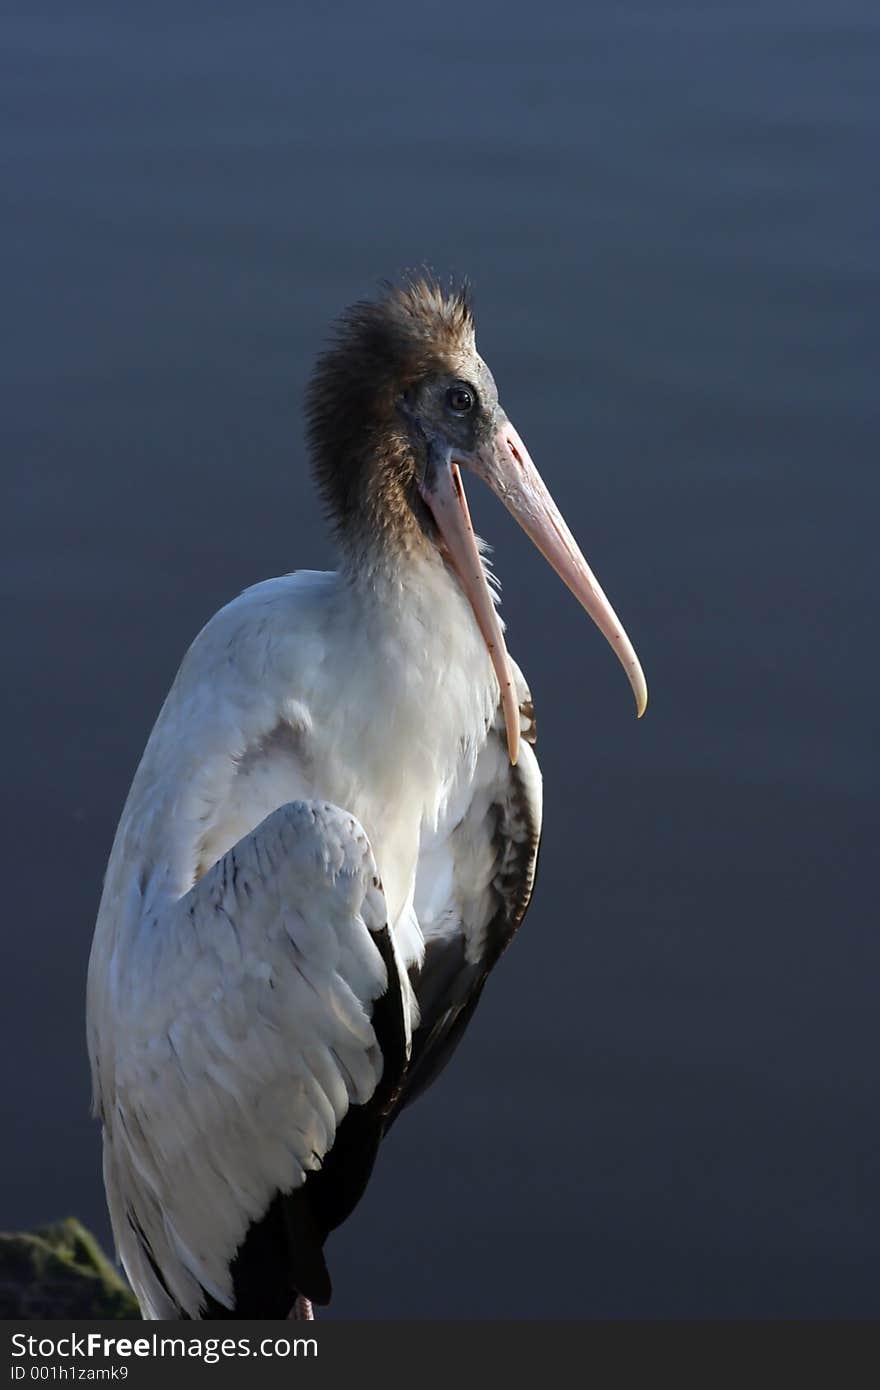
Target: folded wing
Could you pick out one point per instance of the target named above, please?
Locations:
(256, 1014)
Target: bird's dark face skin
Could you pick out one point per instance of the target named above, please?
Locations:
(397, 408)
(451, 414)
(453, 411)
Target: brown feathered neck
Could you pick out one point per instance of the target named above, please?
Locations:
(364, 451)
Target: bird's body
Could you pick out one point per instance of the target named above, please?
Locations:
(325, 849)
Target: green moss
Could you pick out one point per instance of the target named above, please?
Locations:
(60, 1271)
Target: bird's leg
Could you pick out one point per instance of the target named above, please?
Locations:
(302, 1310)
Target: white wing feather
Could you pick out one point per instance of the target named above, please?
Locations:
(242, 1032)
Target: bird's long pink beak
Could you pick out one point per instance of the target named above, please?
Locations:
(505, 465)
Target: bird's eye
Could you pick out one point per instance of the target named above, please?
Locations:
(460, 399)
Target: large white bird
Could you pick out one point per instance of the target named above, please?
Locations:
(329, 841)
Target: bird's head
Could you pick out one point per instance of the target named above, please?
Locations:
(399, 403)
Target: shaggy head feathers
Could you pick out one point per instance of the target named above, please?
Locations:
(361, 449)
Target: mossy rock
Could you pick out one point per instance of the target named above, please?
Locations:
(60, 1271)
